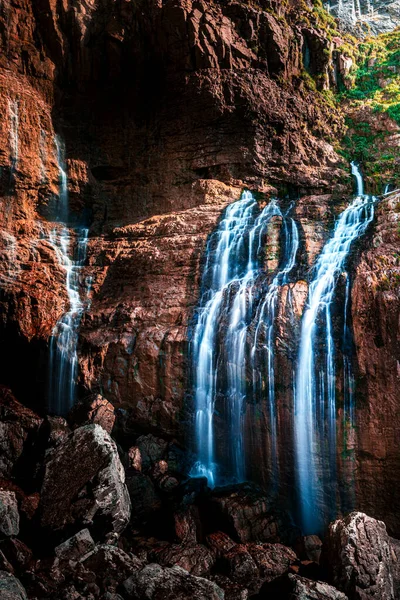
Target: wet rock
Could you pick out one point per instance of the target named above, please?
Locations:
(11, 588)
(154, 582)
(84, 484)
(18, 430)
(9, 515)
(359, 557)
(143, 495)
(94, 409)
(194, 558)
(76, 546)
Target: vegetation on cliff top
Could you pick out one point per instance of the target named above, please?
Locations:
(372, 108)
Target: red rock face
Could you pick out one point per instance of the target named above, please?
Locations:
(167, 110)
(376, 315)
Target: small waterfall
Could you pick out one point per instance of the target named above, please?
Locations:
(315, 395)
(65, 335)
(13, 109)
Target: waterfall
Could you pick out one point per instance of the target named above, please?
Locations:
(315, 394)
(265, 324)
(13, 109)
(223, 265)
(235, 328)
(65, 335)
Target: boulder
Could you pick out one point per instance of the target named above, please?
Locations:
(75, 547)
(244, 512)
(220, 543)
(11, 588)
(155, 582)
(9, 515)
(110, 565)
(194, 558)
(293, 587)
(306, 589)
(94, 409)
(18, 429)
(359, 558)
(84, 485)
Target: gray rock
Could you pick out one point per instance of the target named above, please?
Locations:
(76, 546)
(84, 484)
(359, 558)
(111, 562)
(9, 515)
(155, 582)
(305, 589)
(11, 588)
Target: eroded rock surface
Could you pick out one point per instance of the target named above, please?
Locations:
(84, 483)
(359, 557)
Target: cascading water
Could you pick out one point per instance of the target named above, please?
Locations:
(64, 340)
(223, 266)
(315, 393)
(265, 329)
(230, 285)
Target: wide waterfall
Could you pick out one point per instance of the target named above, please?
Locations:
(71, 252)
(234, 353)
(235, 322)
(315, 394)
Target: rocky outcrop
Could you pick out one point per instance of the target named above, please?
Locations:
(359, 557)
(84, 484)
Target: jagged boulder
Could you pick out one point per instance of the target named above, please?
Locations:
(294, 587)
(11, 588)
(110, 565)
(194, 558)
(359, 557)
(155, 582)
(75, 547)
(84, 485)
(9, 515)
